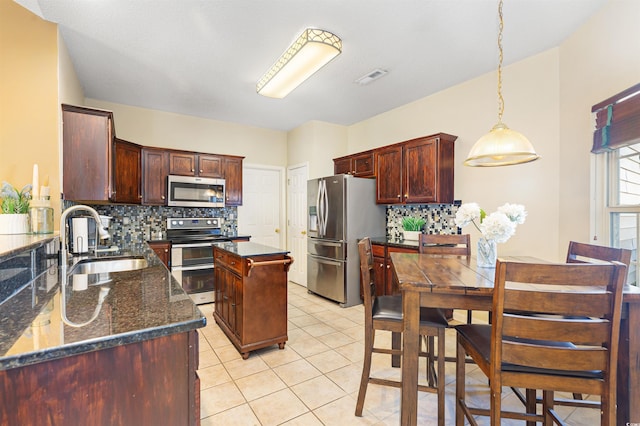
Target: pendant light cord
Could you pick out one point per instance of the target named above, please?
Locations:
(500, 98)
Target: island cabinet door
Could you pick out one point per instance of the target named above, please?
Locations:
(238, 305)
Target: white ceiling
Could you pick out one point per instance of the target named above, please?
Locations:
(204, 57)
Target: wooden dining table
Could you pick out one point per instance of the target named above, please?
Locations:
(456, 282)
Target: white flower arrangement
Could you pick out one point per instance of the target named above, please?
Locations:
(499, 226)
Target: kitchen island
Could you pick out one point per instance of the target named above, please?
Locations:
(251, 294)
(128, 353)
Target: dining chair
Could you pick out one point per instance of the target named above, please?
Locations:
(451, 244)
(571, 347)
(581, 253)
(385, 313)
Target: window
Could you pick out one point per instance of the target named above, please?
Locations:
(623, 207)
(617, 134)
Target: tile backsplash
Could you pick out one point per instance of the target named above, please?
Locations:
(439, 218)
(133, 225)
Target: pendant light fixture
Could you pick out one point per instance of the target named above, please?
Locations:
(312, 50)
(501, 146)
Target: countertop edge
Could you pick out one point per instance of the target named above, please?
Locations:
(97, 344)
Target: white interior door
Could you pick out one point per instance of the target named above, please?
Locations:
(262, 214)
(297, 177)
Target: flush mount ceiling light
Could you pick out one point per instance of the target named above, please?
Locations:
(312, 50)
(501, 146)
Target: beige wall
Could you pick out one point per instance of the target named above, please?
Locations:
(317, 143)
(469, 110)
(28, 97)
(167, 130)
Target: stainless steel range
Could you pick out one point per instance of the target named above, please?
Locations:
(192, 254)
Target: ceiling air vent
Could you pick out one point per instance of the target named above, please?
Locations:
(371, 76)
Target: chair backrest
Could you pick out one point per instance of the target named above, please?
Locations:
(366, 274)
(589, 253)
(455, 244)
(590, 294)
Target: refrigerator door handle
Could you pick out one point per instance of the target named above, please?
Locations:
(327, 261)
(322, 207)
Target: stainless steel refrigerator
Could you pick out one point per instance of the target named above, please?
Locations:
(341, 210)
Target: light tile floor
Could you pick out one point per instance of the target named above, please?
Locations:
(315, 379)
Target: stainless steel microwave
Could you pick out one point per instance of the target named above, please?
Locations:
(191, 191)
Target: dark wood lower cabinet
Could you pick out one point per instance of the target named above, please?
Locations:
(153, 382)
(251, 299)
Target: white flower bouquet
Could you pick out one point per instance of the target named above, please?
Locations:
(499, 226)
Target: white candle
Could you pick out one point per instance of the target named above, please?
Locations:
(35, 186)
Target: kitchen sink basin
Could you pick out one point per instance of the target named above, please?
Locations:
(108, 264)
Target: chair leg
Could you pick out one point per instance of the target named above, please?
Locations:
(366, 371)
(496, 405)
(530, 404)
(547, 406)
(430, 362)
(469, 312)
(460, 384)
(440, 377)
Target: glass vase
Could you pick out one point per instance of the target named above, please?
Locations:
(487, 253)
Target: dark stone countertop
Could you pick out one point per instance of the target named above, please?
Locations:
(248, 249)
(395, 242)
(140, 305)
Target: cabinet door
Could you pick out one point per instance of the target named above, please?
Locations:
(380, 275)
(126, 174)
(238, 306)
(363, 165)
(342, 166)
(420, 165)
(233, 180)
(163, 251)
(155, 168)
(389, 175)
(87, 140)
(218, 286)
(182, 163)
(209, 166)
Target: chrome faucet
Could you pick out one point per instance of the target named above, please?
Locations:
(103, 234)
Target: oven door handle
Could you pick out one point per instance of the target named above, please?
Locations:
(192, 245)
(192, 268)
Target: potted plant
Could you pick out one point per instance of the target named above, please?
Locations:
(412, 227)
(14, 209)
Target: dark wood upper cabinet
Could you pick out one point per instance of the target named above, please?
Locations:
(127, 169)
(360, 165)
(87, 145)
(155, 168)
(210, 166)
(182, 163)
(389, 175)
(195, 164)
(417, 171)
(232, 168)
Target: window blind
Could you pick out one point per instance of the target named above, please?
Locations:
(617, 121)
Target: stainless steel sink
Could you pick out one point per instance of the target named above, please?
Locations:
(108, 264)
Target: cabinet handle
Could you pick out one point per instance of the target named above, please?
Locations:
(303, 232)
(200, 170)
(406, 195)
(192, 170)
(162, 198)
(388, 266)
(166, 250)
(399, 196)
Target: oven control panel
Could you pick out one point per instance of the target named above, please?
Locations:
(194, 223)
